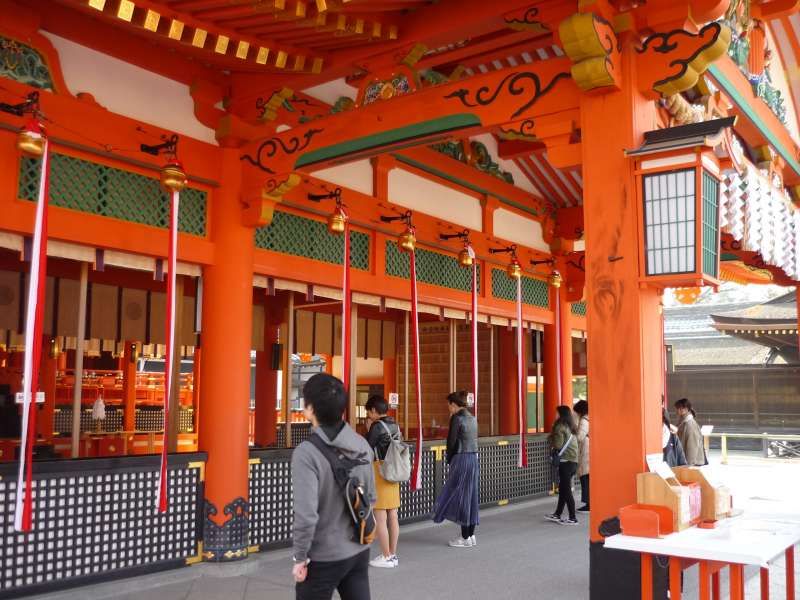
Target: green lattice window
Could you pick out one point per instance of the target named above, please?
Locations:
(710, 224)
(101, 190)
(299, 236)
(432, 267)
(579, 308)
(534, 291)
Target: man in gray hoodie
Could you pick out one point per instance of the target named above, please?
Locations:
(326, 558)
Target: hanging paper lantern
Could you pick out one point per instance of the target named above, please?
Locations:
(408, 241)
(30, 140)
(688, 295)
(173, 177)
(337, 220)
(555, 279)
(514, 270)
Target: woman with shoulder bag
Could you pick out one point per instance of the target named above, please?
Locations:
(381, 429)
(564, 443)
(581, 409)
(458, 501)
(673, 449)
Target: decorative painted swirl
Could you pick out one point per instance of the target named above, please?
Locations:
(272, 146)
(512, 84)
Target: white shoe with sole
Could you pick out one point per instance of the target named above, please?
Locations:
(474, 540)
(382, 562)
(460, 542)
(395, 560)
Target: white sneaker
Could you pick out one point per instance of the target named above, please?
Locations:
(395, 560)
(382, 562)
(460, 542)
(474, 540)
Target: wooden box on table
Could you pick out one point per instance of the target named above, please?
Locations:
(716, 499)
(683, 500)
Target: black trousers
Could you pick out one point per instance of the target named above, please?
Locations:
(566, 471)
(349, 576)
(585, 489)
(467, 531)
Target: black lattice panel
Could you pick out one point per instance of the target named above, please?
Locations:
(300, 433)
(150, 419)
(186, 420)
(271, 500)
(502, 479)
(94, 521)
(418, 505)
(112, 422)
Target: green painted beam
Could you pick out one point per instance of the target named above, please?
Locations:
(747, 109)
(410, 133)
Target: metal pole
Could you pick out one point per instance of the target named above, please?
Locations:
(406, 397)
(287, 370)
(77, 390)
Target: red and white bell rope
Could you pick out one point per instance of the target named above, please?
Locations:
(170, 337)
(34, 317)
(416, 472)
(663, 360)
(559, 350)
(474, 326)
(346, 304)
(521, 382)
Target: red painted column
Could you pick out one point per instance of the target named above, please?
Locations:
(45, 421)
(128, 365)
(266, 432)
(551, 335)
(507, 378)
(225, 372)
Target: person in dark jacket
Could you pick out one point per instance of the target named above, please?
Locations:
(381, 429)
(673, 449)
(458, 501)
(564, 439)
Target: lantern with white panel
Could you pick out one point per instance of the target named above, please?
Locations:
(678, 171)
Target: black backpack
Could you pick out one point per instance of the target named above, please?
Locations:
(353, 489)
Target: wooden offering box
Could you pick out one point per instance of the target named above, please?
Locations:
(716, 499)
(683, 500)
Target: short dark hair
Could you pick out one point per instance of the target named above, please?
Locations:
(564, 416)
(378, 404)
(325, 394)
(458, 398)
(684, 403)
(581, 408)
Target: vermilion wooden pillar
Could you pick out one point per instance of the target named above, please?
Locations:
(551, 334)
(624, 324)
(508, 417)
(45, 421)
(266, 417)
(128, 365)
(225, 372)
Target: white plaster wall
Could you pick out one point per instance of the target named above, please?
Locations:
(515, 228)
(434, 199)
(780, 77)
(355, 175)
(520, 179)
(331, 91)
(129, 90)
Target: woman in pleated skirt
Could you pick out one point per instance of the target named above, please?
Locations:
(459, 500)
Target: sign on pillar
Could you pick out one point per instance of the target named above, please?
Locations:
(20, 397)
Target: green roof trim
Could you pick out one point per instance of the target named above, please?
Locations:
(386, 138)
(464, 183)
(742, 103)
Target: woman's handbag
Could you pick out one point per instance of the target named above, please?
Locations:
(396, 465)
(555, 456)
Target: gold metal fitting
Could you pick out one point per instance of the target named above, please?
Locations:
(337, 221)
(407, 241)
(465, 259)
(30, 142)
(514, 270)
(173, 177)
(555, 279)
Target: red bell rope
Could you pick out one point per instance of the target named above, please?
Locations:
(170, 337)
(559, 349)
(34, 316)
(416, 472)
(521, 379)
(474, 325)
(346, 305)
